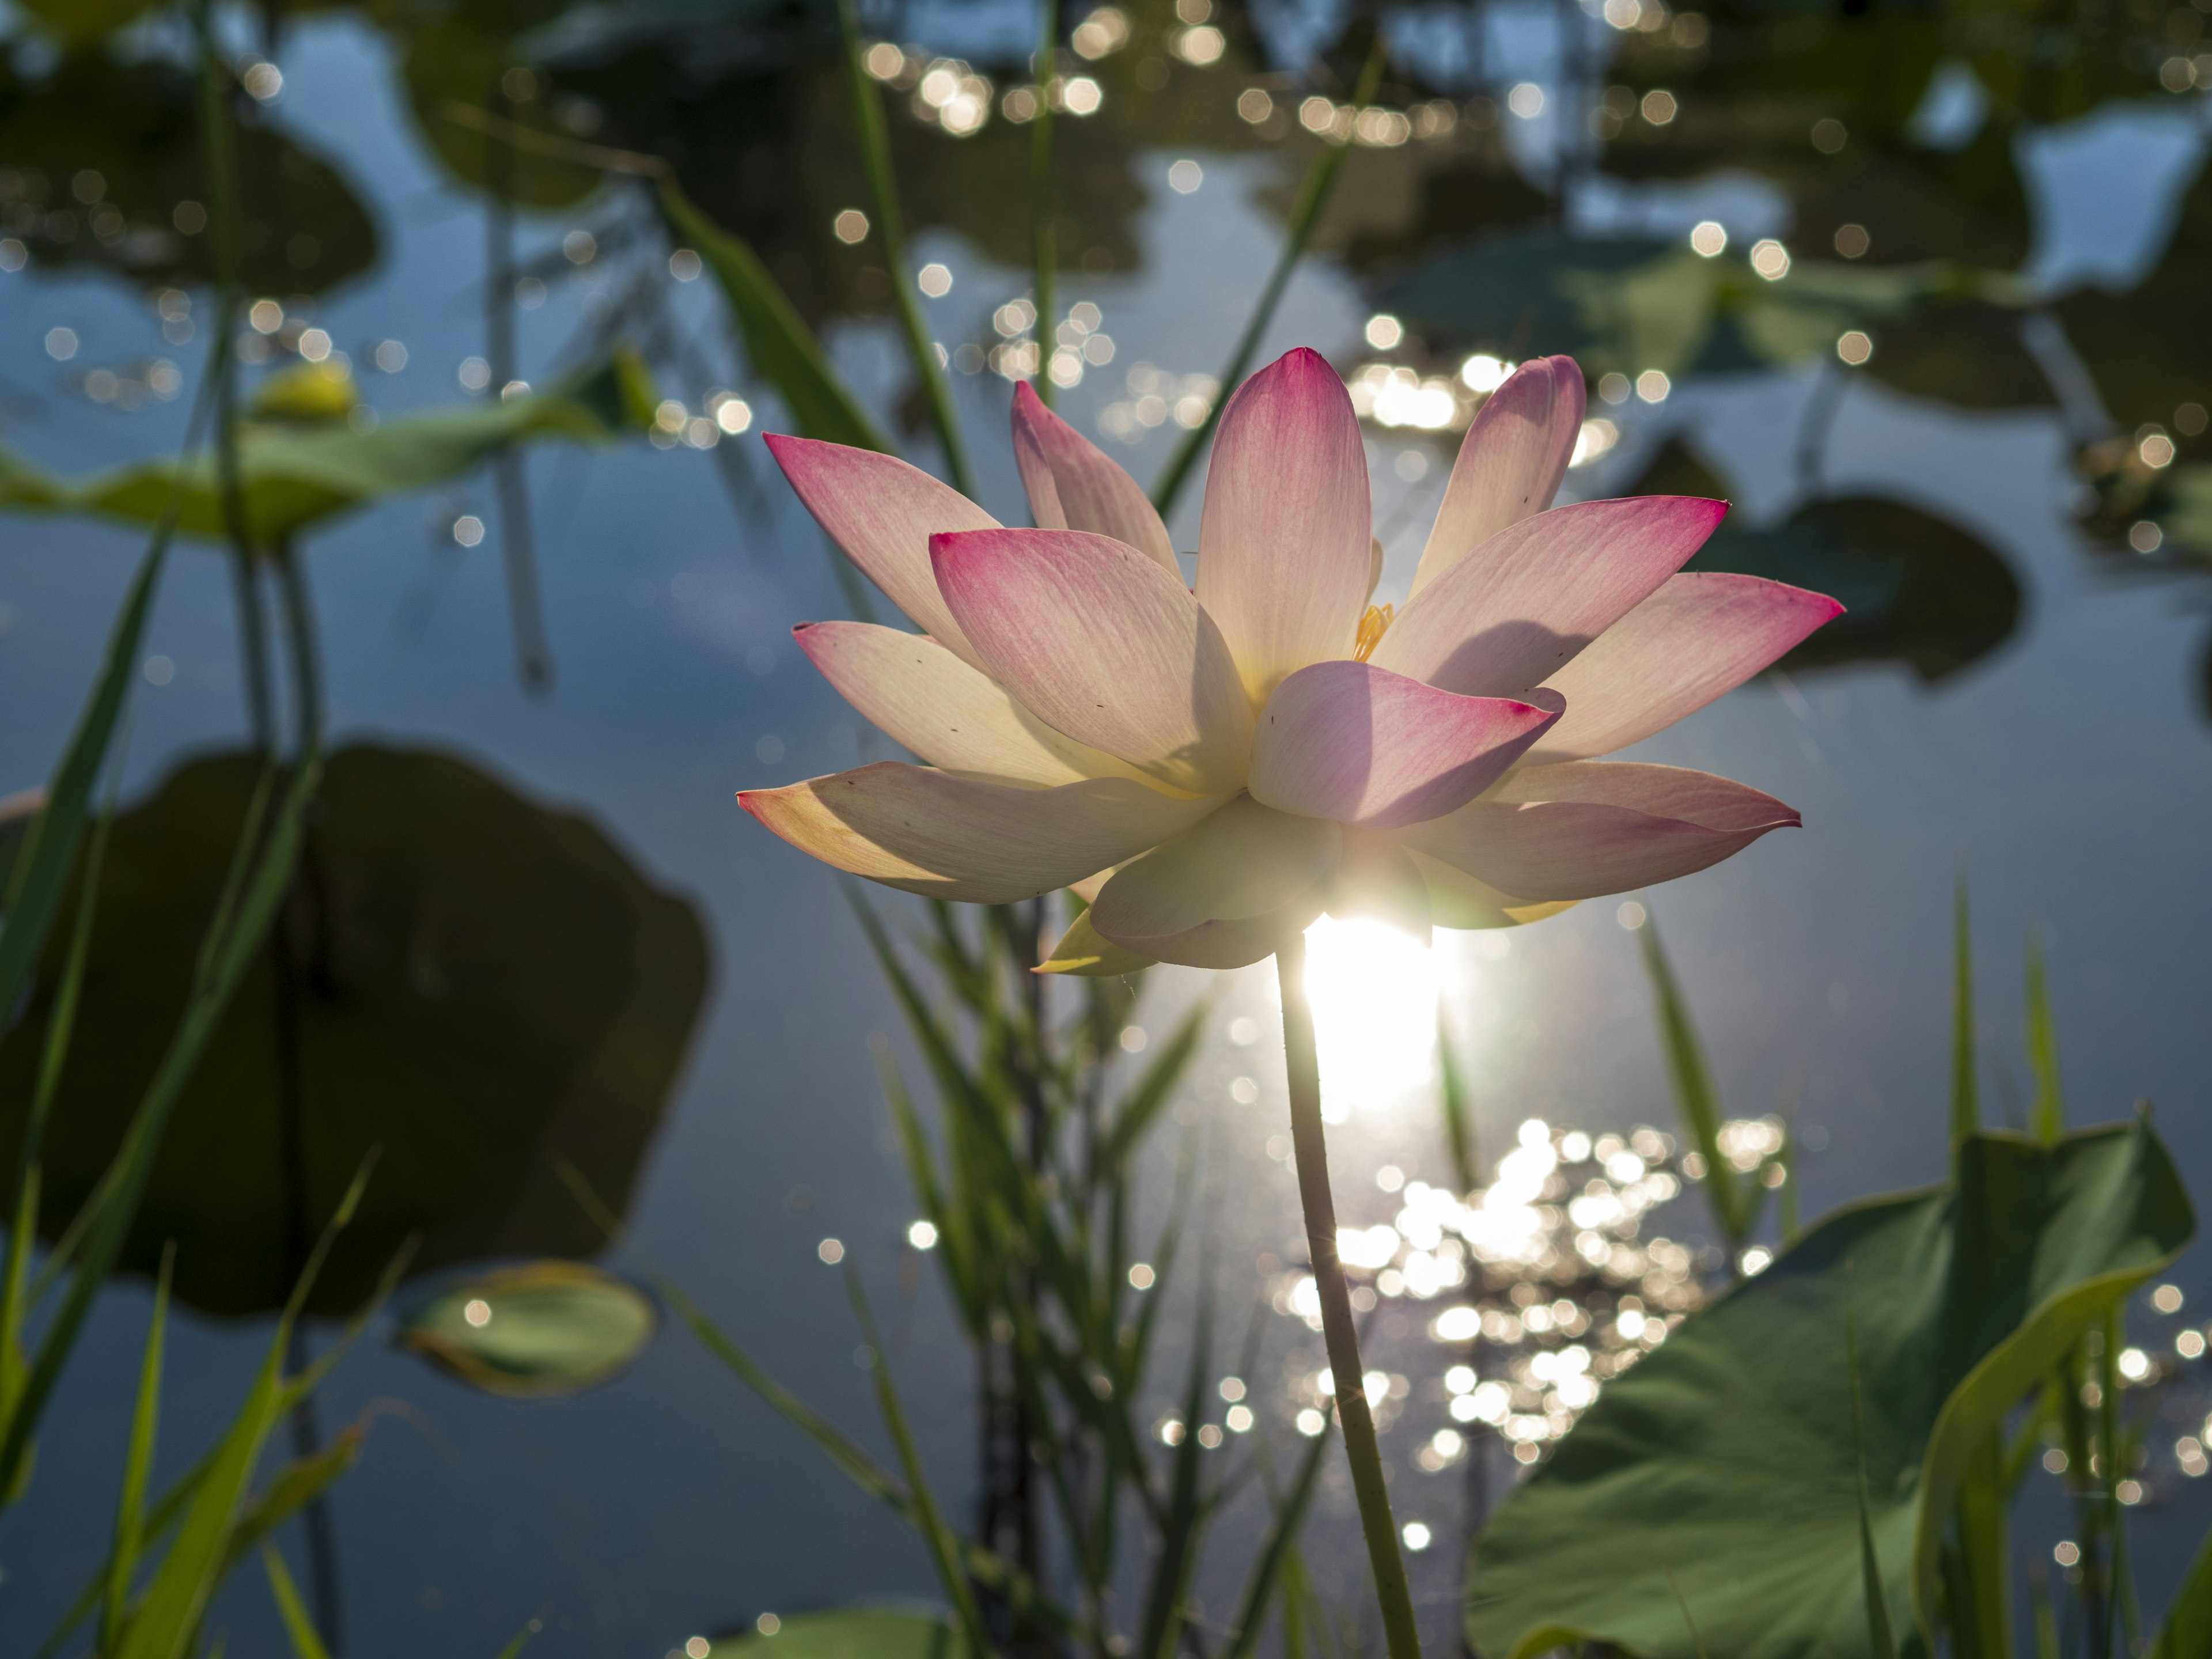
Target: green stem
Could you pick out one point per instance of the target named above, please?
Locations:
(1044, 241)
(216, 160)
(1341, 1340)
(1313, 195)
(876, 152)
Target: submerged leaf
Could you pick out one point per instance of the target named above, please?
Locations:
(1725, 1462)
(547, 1329)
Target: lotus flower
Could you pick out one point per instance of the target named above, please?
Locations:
(1214, 769)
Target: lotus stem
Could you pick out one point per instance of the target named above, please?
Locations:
(1342, 1340)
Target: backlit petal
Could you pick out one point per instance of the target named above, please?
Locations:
(1227, 893)
(1073, 485)
(1701, 634)
(883, 512)
(1458, 900)
(1283, 543)
(1586, 828)
(1510, 465)
(949, 837)
(1350, 741)
(920, 694)
(1102, 644)
(1510, 615)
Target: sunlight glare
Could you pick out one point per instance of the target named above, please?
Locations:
(1374, 992)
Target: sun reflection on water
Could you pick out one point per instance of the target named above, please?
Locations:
(1374, 992)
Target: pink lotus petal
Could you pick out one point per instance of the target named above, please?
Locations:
(1510, 465)
(920, 696)
(883, 512)
(1510, 615)
(1102, 644)
(1228, 893)
(950, 837)
(1701, 634)
(1458, 900)
(1587, 828)
(1350, 741)
(1073, 485)
(1283, 543)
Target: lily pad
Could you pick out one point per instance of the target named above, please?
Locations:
(1722, 1473)
(851, 1633)
(134, 127)
(534, 1332)
(295, 474)
(1916, 588)
(481, 985)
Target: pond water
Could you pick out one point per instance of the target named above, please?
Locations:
(651, 986)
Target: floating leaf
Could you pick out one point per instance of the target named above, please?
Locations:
(533, 1332)
(1724, 1462)
(486, 985)
(851, 1633)
(134, 126)
(1628, 305)
(294, 475)
(1916, 589)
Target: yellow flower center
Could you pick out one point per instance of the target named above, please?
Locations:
(1372, 626)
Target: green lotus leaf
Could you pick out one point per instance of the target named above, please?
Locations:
(1722, 1473)
(863, 1633)
(293, 474)
(534, 1332)
(482, 987)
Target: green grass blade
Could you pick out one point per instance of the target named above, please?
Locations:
(1694, 1093)
(1318, 185)
(1176, 1562)
(1880, 1636)
(890, 228)
(944, 1552)
(520, 1640)
(1141, 1109)
(1458, 1111)
(1984, 1547)
(778, 345)
(2046, 1618)
(168, 1617)
(2187, 1633)
(305, 1645)
(235, 938)
(1965, 1110)
(48, 855)
(2046, 1117)
(1269, 1567)
(130, 1507)
(61, 1026)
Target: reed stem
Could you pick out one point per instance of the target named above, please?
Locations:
(1342, 1340)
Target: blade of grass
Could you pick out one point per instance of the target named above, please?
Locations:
(2046, 1117)
(1966, 1112)
(61, 1025)
(890, 229)
(130, 1507)
(298, 1626)
(1142, 1107)
(1983, 1548)
(234, 941)
(1458, 1111)
(1318, 185)
(2046, 1618)
(945, 1552)
(168, 1617)
(1880, 1636)
(1176, 1561)
(1044, 240)
(1694, 1094)
(2187, 1633)
(1268, 1566)
(780, 346)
